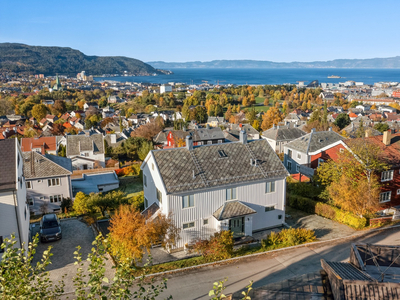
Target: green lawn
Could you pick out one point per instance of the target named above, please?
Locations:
(261, 108)
(130, 185)
(260, 99)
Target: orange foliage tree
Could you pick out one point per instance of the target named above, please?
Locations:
(148, 130)
(131, 233)
(273, 116)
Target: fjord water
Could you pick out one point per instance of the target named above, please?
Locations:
(265, 76)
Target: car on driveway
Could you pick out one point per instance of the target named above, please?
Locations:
(50, 228)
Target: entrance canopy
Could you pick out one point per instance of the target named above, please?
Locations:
(232, 209)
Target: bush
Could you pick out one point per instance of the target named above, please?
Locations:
(132, 170)
(301, 203)
(66, 205)
(219, 246)
(340, 216)
(288, 237)
(304, 189)
(137, 201)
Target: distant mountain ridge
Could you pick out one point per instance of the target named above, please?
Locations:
(391, 62)
(21, 58)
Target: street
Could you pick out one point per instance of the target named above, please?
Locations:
(270, 268)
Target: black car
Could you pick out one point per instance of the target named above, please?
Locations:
(50, 228)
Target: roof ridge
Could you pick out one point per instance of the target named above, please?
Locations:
(44, 156)
(309, 141)
(222, 210)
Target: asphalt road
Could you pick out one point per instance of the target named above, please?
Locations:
(268, 268)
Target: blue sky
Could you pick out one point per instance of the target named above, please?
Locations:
(205, 30)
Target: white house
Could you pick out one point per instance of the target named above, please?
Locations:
(48, 180)
(86, 150)
(238, 186)
(165, 88)
(280, 135)
(14, 211)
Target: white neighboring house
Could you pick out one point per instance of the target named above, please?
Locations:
(86, 150)
(238, 186)
(14, 211)
(48, 180)
(278, 136)
(165, 88)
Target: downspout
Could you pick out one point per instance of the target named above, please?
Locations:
(16, 215)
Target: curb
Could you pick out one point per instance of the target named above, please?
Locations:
(269, 252)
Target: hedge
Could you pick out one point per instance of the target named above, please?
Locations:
(340, 216)
(302, 203)
(326, 210)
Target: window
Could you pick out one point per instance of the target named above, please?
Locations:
(297, 168)
(55, 198)
(1, 242)
(385, 197)
(289, 153)
(205, 222)
(28, 185)
(270, 187)
(30, 201)
(159, 195)
(219, 141)
(269, 208)
(289, 165)
(144, 180)
(53, 182)
(146, 203)
(86, 154)
(40, 181)
(398, 192)
(188, 201)
(188, 225)
(209, 142)
(298, 155)
(387, 175)
(231, 194)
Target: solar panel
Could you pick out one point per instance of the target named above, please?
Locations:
(222, 154)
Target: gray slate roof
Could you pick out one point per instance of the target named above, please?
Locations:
(39, 166)
(232, 209)
(89, 183)
(64, 162)
(119, 139)
(78, 143)
(314, 141)
(8, 164)
(283, 133)
(204, 134)
(177, 165)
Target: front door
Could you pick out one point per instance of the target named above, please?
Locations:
(236, 225)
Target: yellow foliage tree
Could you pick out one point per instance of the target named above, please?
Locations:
(245, 102)
(131, 233)
(273, 116)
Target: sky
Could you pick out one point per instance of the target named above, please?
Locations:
(190, 30)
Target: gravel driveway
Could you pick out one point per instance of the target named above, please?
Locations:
(75, 233)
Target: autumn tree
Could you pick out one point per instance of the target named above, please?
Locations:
(131, 233)
(272, 117)
(80, 203)
(352, 180)
(148, 131)
(39, 111)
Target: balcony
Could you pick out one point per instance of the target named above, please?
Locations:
(305, 169)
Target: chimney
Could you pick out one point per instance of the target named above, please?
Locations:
(273, 126)
(387, 137)
(207, 126)
(313, 130)
(330, 129)
(243, 137)
(113, 138)
(189, 143)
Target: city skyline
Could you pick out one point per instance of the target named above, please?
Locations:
(179, 31)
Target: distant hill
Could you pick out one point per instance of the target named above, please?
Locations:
(391, 62)
(20, 58)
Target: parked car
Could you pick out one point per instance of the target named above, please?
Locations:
(50, 228)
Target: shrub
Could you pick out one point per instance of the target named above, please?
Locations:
(340, 216)
(304, 189)
(66, 205)
(288, 237)
(301, 203)
(80, 203)
(219, 246)
(137, 201)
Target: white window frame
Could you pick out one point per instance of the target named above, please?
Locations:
(205, 222)
(270, 187)
(55, 198)
(53, 182)
(270, 208)
(188, 225)
(290, 153)
(187, 201)
(387, 175)
(398, 191)
(231, 194)
(29, 185)
(145, 180)
(385, 197)
(298, 155)
(159, 195)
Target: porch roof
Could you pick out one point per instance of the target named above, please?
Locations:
(232, 209)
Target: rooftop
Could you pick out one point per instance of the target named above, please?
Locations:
(8, 163)
(314, 141)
